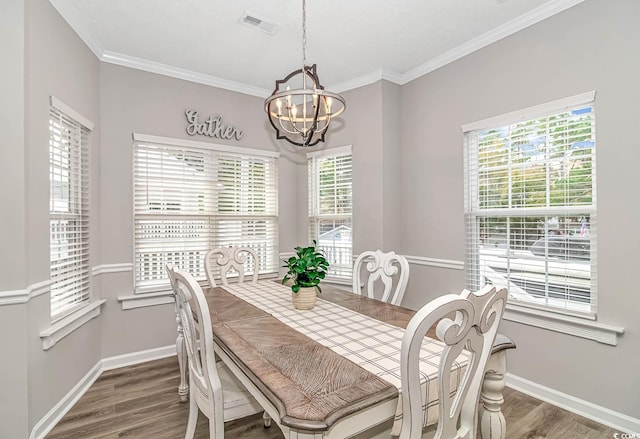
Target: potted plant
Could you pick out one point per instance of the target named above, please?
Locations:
(305, 271)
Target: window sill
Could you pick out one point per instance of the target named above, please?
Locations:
(162, 295)
(142, 300)
(59, 330)
(576, 326)
(338, 281)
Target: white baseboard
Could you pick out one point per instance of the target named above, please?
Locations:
(46, 424)
(138, 357)
(580, 407)
(599, 414)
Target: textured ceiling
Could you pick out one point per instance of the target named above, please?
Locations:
(353, 42)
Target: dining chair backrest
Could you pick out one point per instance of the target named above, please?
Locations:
(223, 261)
(468, 321)
(205, 388)
(389, 270)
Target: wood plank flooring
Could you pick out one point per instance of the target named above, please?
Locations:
(142, 401)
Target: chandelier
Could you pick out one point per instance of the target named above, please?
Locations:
(300, 109)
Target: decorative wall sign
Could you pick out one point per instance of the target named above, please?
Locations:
(212, 127)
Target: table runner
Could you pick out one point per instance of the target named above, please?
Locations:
(371, 344)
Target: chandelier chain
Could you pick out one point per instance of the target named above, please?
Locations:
(304, 33)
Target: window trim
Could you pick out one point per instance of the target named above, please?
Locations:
(68, 112)
(69, 323)
(171, 141)
(531, 112)
(578, 326)
(150, 290)
(519, 308)
(319, 154)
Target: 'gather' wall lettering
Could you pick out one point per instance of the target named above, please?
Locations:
(211, 127)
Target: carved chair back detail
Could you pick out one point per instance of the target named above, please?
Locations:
(467, 321)
(381, 268)
(227, 260)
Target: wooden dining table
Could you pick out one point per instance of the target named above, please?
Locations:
(309, 370)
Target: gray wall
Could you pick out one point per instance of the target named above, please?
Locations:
(58, 64)
(408, 186)
(133, 101)
(13, 374)
(361, 127)
(33, 69)
(592, 46)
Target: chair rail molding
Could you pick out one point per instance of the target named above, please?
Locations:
(414, 260)
(112, 268)
(14, 297)
(451, 264)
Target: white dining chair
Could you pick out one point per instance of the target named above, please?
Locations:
(181, 353)
(389, 270)
(205, 388)
(468, 321)
(223, 261)
(212, 388)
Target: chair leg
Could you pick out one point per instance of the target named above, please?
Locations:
(193, 415)
(215, 432)
(183, 387)
(266, 419)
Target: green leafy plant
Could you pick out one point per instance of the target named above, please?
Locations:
(307, 268)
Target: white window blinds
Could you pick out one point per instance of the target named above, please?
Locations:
(189, 199)
(68, 211)
(531, 207)
(330, 208)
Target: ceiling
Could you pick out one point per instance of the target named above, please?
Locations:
(353, 42)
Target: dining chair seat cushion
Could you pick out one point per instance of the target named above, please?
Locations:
(238, 402)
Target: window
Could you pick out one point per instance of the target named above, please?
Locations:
(192, 196)
(68, 208)
(330, 207)
(531, 205)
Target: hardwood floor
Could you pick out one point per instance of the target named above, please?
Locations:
(141, 401)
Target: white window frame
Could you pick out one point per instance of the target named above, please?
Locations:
(210, 217)
(473, 212)
(343, 272)
(69, 160)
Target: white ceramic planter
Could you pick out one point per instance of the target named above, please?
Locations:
(305, 298)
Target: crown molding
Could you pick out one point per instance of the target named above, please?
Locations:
(179, 73)
(70, 14)
(369, 78)
(517, 24)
